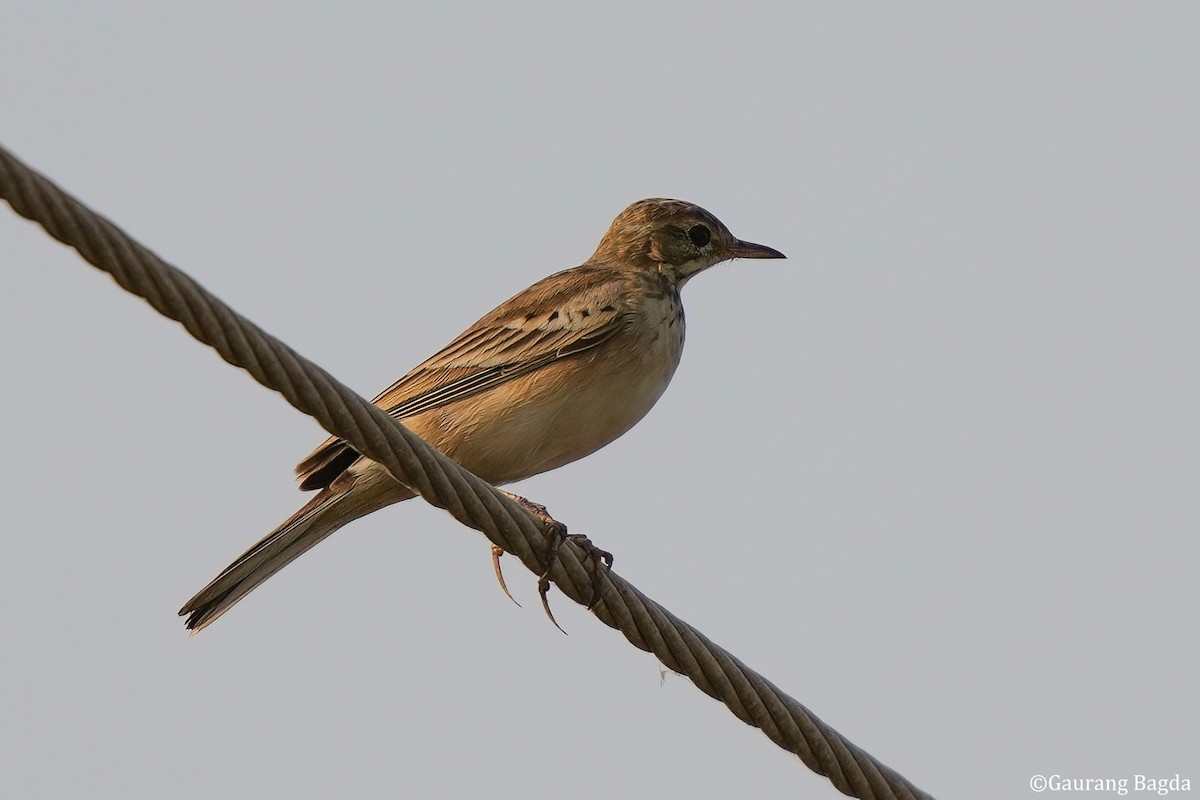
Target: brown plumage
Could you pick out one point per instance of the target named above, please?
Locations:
(553, 374)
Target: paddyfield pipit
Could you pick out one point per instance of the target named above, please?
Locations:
(551, 375)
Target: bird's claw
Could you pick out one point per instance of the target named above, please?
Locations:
(498, 551)
(544, 593)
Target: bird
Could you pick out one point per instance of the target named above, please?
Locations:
(549, 376)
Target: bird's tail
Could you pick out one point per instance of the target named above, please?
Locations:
(325, 513)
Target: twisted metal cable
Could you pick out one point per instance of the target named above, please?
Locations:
(440, 481)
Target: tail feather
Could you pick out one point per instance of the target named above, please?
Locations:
(276, 550)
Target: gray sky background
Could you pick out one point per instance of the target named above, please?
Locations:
(936, 476)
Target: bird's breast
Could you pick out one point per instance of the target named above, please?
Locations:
(663, 322)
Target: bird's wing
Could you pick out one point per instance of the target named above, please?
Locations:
(558, 317)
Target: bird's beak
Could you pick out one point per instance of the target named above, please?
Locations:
(751, 250)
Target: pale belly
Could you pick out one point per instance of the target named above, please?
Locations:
(563, 411)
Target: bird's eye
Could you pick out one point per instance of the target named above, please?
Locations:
(700, 235)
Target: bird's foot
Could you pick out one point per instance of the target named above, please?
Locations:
(596, 556)
(537, 510)
(558, 534)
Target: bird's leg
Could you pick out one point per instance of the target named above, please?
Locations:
(558, 533)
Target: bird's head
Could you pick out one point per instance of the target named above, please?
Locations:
(676, 238)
